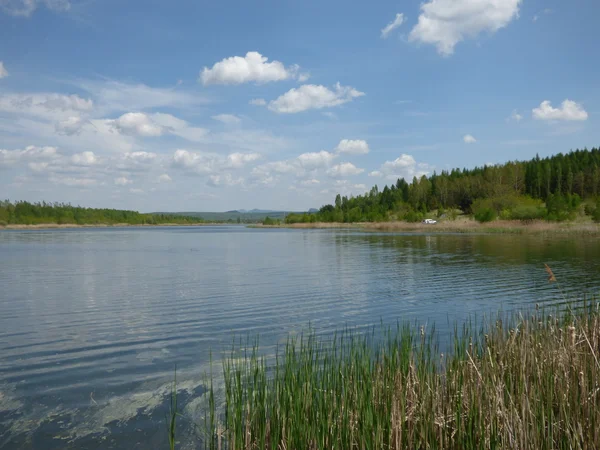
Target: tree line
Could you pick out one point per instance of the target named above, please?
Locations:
(26, 213)
(551, 188)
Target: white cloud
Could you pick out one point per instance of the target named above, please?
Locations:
(122, 181)
(258, 102)
(445, 23)
(329, 114)
(515, 116)
(238, 160)
(137, 191)
(311, 96)
(399, 19)
(468, 139)
(229, 119)
(353, 147)
(29, 153)
(84, 159)
(344, 170)
(179, 127)
(25, 8)
(3, 71)
(316, 160)
(303, 77)
(252, 67)
(46, 105)
(223, 180)
(311, 182)
(137, 124)
(70, 126)
(164, 178)
(114, 96)
(404, 166)
(73, 181)
(569, 110)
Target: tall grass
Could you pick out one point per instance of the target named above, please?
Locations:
(516, 382)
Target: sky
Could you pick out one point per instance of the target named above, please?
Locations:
(213, 106)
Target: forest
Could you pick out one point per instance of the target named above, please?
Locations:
(557, 188)
(25, 213)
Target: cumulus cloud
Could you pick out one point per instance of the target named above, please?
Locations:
(3, 71)
(303, 77)
(445, 23)
(468, 139)
(225, 179)
(204, 163)
(399, 20)
(25, 8)
(344, 170)
(311, 182)
(238, 160)
(84, 159)
(312, 96)
(253, 67)
(404, 166)
(316, 160)
(138, 124)
(70, 126)
(229, 119)
(353, 147)
(122, 181)
(258, 102)
(29, 153)
(569, 110)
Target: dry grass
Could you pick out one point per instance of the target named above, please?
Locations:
(534, 384)
(461, 226)
(516, 383)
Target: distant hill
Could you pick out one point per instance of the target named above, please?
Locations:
(252, 211)
(244, 216)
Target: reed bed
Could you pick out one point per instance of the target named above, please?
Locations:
(515, 382)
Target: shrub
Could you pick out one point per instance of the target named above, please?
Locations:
(413, 217)
(485, 215)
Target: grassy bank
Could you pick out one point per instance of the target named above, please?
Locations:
(459, 226)
(526, 383)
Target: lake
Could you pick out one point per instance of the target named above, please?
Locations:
(93, 322)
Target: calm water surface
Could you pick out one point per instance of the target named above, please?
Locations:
(94, 321)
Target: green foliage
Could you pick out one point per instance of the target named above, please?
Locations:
(596, 213)
(562, 207)
(513, 383)
(269, 221)
(512, 191)
(25, 213)
(485, 215)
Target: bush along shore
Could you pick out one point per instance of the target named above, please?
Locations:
(518, 382)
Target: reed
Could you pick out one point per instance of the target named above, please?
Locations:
(514, 382)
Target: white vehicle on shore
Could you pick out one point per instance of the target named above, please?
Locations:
(429, 221)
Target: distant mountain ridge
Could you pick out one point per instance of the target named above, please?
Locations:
(254, 211)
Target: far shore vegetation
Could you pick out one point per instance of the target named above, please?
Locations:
(557, 189)
(31, 214)
(521, 380)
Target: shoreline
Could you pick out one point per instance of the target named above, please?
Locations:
(459, 226)
(54, 226)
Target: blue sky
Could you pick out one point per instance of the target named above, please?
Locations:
(192, 105)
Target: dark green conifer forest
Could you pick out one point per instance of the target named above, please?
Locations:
(551, 188)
